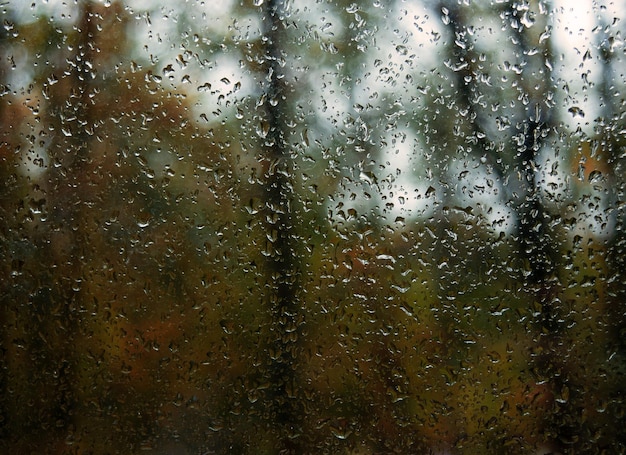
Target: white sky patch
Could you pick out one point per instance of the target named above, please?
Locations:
(479, 190)
(62, 12)
(410, 42)
(200, 9)
(424, 32)
(34, 162)
(218, 86)
(329, 99)
(401, 160)
(213, 81)
(574, 39)
(319, 18)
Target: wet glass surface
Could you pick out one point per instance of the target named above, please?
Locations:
(286, 226)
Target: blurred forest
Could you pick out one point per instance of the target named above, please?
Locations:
(286, 226)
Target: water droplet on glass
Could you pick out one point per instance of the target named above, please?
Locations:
(527, 19)
(168, 70)
(263, 129)
(144, 221)
(576, 111)
(445, 18)
(595, 176)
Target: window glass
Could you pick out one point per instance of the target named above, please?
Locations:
(286, 226)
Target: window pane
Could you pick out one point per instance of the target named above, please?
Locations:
(283, 226)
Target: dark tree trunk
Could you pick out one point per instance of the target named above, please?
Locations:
(59, 298)
(282, 270)
(467, 62)
(535, 240)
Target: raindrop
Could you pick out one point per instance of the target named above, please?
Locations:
(445, 18)
(263, 129)
(576, 111)
(527, 19)
(144, 220)
(595, 176)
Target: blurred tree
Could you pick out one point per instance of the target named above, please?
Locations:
(282, 269)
